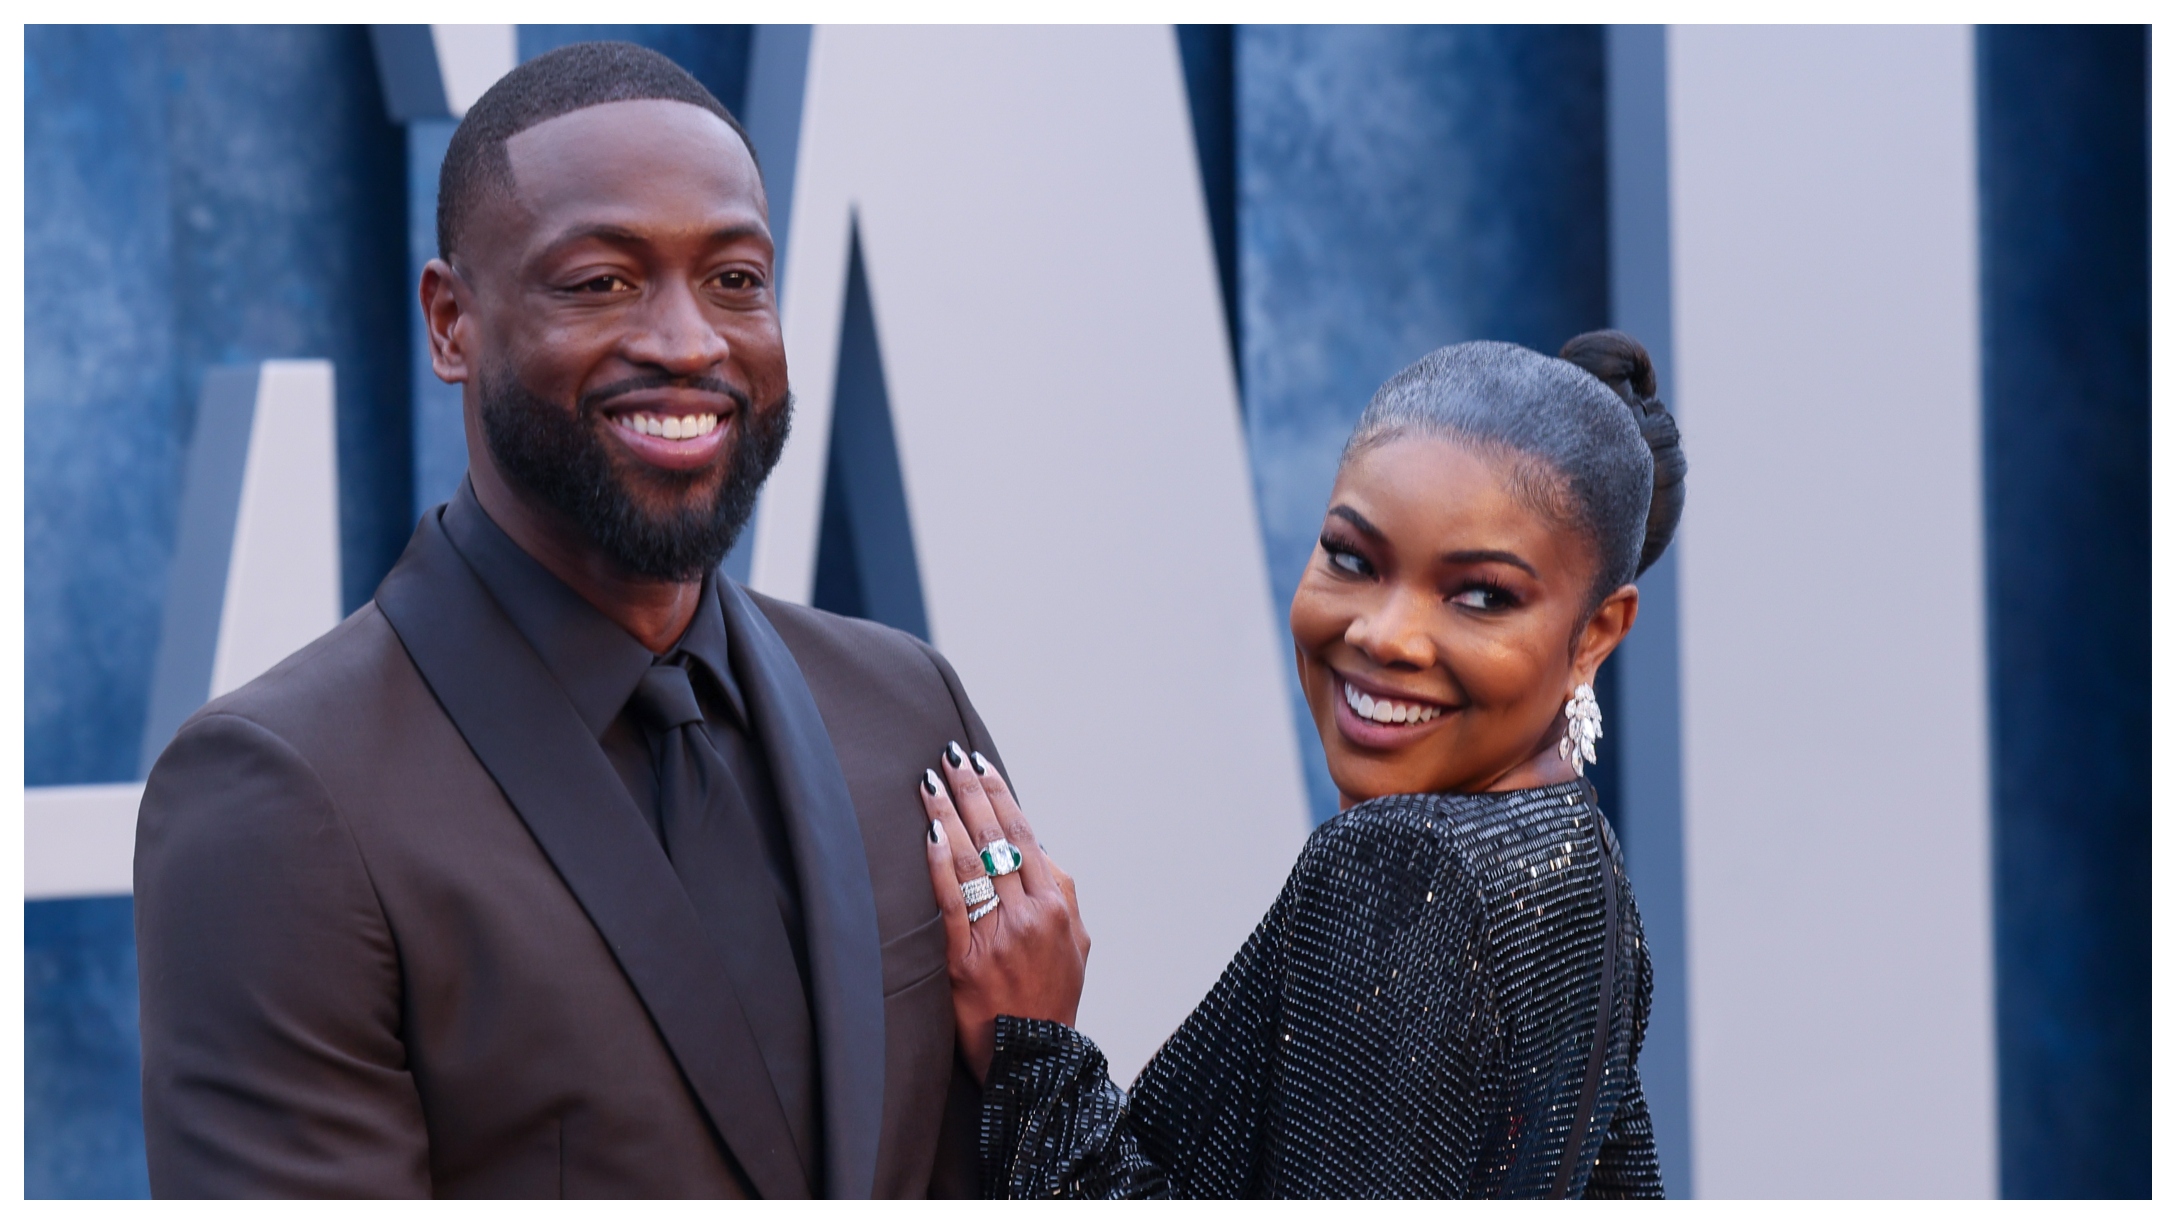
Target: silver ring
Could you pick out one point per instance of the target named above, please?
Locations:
(976, 891)
(982, 911)
(1001, 858)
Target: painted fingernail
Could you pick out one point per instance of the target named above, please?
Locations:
(982, 764)
(952, 754)
(929, 781)
(936, 833)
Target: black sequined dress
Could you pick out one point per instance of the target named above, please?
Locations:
(1414, 1018)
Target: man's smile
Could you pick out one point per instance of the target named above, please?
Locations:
(672, 428)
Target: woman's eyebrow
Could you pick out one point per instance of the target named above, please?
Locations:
(1472, 556)
(1354, 517)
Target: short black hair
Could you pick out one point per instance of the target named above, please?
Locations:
(574, 77)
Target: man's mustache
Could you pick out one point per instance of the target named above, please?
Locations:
(594, 403)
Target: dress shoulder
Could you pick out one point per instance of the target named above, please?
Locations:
(1416, 846)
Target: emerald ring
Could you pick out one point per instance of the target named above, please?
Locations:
(1000, 858)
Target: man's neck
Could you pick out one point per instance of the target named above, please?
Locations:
(656, 613)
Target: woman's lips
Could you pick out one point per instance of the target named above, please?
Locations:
(676, 441)
(1388, 722)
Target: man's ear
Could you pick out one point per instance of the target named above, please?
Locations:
(1604, 630)
(447, 320)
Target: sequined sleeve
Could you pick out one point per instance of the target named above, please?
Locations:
(1055, 1126)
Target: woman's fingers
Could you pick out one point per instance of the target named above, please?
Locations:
(944, 877)
(1046, 881)
(978, 814)
(1035, 867)
(1072, 905)
(958, 846)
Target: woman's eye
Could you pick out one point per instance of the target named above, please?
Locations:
(1349, 563)
(1485, 598)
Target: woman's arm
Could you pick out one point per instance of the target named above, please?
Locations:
(1053, 1123)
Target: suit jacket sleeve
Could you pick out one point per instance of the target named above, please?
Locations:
(271, 997)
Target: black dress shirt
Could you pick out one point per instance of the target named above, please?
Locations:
(598, 664)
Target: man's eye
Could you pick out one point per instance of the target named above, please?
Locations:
(601, 284)
(740, 280)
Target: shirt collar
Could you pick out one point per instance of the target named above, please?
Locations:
(705, 642)
(596, 662)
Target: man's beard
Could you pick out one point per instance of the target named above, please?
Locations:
(562, 461)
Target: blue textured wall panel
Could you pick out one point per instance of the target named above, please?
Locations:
(1401, 189)
(2066, 285)
(83, 1120)
(290, 241)
(102, 443)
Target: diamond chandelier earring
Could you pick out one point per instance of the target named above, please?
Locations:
(1583, 726)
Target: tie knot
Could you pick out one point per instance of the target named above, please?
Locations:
(665, 699)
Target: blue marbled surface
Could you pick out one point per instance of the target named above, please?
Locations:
(289, 242)
(102, 428)
(1400, 189)
(2065, 238)
(83, 1118)
(192, 196)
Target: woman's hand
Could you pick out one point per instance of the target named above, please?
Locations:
(1028, 956)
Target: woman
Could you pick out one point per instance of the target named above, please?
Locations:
(1449, 996)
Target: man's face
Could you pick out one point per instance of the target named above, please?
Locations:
(624, 349)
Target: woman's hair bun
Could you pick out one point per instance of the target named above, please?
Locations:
(1623, 366)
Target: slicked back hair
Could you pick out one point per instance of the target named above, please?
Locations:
(572, 78)
(1577, 451)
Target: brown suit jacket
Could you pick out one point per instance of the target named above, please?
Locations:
(401, 930)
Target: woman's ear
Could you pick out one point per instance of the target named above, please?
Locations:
(1603, 630)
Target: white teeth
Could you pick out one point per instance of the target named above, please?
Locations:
(1388, 711)
(673, 428)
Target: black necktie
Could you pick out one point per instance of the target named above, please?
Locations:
(711, 836)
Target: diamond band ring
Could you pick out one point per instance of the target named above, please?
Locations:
(1000, 858)
(977, 891)
(982, 911)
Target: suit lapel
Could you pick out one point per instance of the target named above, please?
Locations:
(838, 904)
(528, 736)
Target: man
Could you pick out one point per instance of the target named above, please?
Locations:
(567, 866)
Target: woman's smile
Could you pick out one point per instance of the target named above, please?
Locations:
(1382, 719)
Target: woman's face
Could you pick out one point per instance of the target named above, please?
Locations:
(1442, 625)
